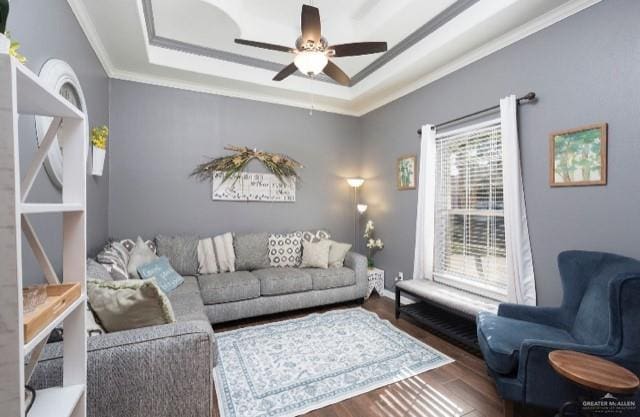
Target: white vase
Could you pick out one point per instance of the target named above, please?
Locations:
(5, 43)
(98, 161)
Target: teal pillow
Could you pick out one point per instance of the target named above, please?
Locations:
(160, 269)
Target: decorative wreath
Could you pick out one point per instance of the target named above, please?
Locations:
(282, 166)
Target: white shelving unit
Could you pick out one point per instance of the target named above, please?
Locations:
(22, 93)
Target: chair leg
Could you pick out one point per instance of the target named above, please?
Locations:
(508, 408)
(397, 303)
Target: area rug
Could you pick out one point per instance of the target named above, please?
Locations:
(291, 367)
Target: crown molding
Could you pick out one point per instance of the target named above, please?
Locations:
(303, 104)
(84, 19)
(355, 109)
(523, 31)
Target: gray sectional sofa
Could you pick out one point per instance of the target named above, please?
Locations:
(166, 371)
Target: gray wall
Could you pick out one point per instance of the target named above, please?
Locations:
(160, 134)
(48, 29)
(585, 70)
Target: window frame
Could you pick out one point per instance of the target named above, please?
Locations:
(460, 281)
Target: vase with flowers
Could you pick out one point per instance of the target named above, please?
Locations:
(99, 137)
(373, 245)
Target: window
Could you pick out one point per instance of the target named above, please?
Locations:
(469, 239)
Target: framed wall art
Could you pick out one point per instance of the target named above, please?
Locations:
(407, 171)
(578, 156)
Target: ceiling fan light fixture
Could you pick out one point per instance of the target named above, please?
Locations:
(311, 63)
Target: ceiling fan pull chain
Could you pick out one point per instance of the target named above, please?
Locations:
(312, 104)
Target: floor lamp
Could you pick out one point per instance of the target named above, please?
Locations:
(356, 183)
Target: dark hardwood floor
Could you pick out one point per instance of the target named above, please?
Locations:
(461, 388)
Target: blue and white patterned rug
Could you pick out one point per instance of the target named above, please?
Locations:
(289, 368)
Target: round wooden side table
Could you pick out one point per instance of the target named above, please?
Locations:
(592, 373)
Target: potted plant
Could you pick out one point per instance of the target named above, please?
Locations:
(373, 245)
(99, 137)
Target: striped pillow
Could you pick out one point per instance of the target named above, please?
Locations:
(216, 254)
(115, 258)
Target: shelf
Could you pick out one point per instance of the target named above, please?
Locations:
(35, 98)
(31, 208)
(56, 402)
(28, 347)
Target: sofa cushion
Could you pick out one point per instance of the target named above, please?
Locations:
(182, 252)
(500, 339)
(324, 279)
(252, 251)
(228, 286)
(186, 301)
(274, 281)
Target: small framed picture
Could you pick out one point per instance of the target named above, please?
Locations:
(578, 156)
(407, 172)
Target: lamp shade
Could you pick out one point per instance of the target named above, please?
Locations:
(361, 208)
(311, 63)
(355, 182)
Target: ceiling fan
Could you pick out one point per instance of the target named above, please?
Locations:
(313, 52)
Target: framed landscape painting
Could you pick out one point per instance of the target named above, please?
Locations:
(578, 156)
(407, 171)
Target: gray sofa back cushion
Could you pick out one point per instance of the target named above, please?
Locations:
(252, 251)
(182, 252)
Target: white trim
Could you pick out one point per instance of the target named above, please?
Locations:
(476, 126)
(403, 300)
(352, 108)
(246, 95)
(84, 20)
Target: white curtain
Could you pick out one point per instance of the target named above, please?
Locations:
(521, 283)
(425, 219)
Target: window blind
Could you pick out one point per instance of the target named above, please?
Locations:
(469, 239)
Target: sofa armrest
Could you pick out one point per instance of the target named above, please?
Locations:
(536, 372)
(359, 264)
(158, 371)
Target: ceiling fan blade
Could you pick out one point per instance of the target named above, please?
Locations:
(333, 71)
(310, 23)
(359, 48)
(264, 45)
(285, 72)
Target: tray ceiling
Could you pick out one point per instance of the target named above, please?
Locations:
(189, 44)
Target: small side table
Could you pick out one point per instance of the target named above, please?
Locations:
(375, 277)
(592, 373)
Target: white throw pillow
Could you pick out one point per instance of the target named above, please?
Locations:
(207, 263)
(337, 253)
(140, 255)
(315, 254)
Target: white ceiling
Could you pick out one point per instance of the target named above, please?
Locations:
(189, 43)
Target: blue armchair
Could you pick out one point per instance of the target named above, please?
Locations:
(599, 315)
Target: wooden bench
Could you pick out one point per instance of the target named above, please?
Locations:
(444, 309)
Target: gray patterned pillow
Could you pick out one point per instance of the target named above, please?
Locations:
(315, 236)
(182, 252)
(285, 249)
(252, 251)
(129, 244)
(115, 258)
(96, 270)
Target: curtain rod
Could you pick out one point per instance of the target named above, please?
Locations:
(526, 98)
